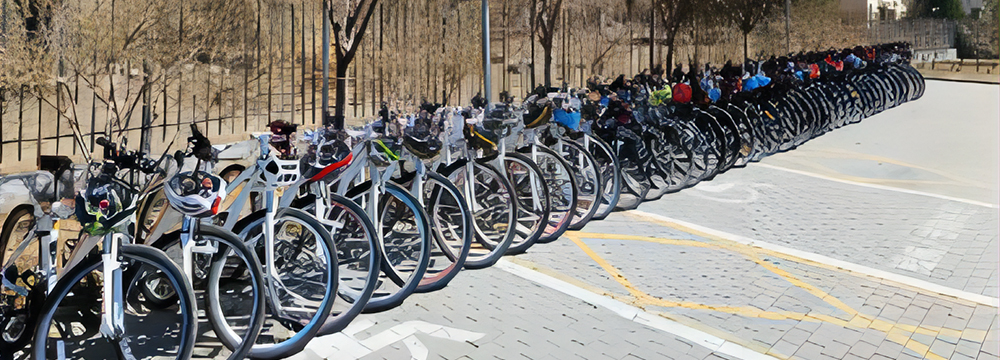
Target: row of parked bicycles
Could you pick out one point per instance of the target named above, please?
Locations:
(328, 224)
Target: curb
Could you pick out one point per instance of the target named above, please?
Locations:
(963, 81)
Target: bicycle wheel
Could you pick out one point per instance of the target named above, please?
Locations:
(532, 201)
(358, 258)
(563, 190)
(19, 311)
(451, 226)
(229, 277)
(610, 169)
(149, 213)
(70, 320)
(303, 279)
(494, 210)
(405, 246)
(588, 180)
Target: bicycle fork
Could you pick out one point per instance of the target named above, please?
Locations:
(113, 298)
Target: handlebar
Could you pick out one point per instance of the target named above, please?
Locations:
(128, 160)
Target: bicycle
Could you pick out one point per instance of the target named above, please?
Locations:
(299, 256)
(403, 230)
(71, 311)
(466, 162)
(226, 271)
(28, 281)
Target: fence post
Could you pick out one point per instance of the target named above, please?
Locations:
(164, 95)
(38, 146)
(59, 106)
(303, 52)
(2, 99)
(291, 15)
(20, 123)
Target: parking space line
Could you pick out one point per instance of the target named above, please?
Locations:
(880, 187)
(816, 259)
(635, 314)
(857, 319)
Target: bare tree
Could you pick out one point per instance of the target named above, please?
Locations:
(547, 16)
(746, 14)
(348, 31)
(674, 14)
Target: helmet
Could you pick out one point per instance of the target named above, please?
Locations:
(102, 200)
(326, 152)
(282, 138)
(428, 148)
(196, 194)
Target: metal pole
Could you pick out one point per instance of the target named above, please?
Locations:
(326, 63)
(788, 26)
(486, 50)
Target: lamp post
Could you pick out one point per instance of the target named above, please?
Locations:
(326, 63)
(486, 51)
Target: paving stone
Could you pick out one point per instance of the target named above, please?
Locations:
(796, 336)
(889, 349)
(942, 349)
(863, 349)
(784, 348)
(835, 350)
(809, 351)
(891, 312)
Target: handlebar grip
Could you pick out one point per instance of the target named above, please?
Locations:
(103, 141)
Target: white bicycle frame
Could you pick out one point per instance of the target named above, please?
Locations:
(261, 181)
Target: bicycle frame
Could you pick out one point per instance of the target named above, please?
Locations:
(261, 181)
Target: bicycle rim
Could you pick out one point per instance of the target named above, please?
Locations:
(562, 191)
(494, 210)
(451, 227)
(70, 321)
(532, 201)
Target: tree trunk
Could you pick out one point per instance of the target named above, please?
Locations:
(652, 34)
(547, 49)
(341, 96)
(670, 51)
(745, 52)
(534, 25)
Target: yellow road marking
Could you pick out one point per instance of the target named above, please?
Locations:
(898, 333)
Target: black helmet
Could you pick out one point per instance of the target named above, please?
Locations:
(281, 138)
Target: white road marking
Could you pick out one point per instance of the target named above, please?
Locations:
(635, 314)
(345, 344)
(861, 269)
(880, 187)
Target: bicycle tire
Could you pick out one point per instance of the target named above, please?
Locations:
(323, 244)
(27, 313)
(358, 259)
(137, 253)
(394, 272)
(588, 184)
(558, 176)
(239, 345)
(533, 201)
(439, 189)
(494, 209)
(610, 175)
(209, 281)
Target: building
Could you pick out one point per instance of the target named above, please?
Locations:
(972, 6)
(877, 9)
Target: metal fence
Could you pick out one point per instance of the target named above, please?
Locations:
(923, 34)
(229, 101)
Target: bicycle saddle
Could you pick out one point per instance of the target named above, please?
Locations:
(427, 148)
(480, 140)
